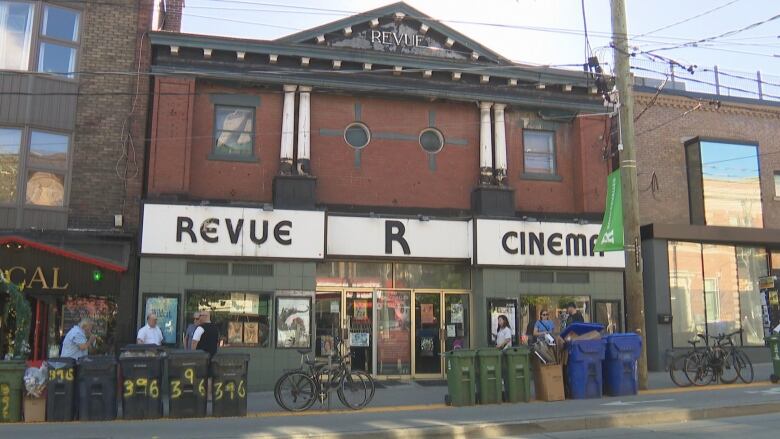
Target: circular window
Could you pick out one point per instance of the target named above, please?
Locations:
(357, 135)
(431, 140)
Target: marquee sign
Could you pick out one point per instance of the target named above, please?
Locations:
(232, 231)
(398, 238)
(546, 244)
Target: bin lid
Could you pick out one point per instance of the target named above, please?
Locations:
(13, 365)
(97, 361)
(625, 342)
(461, 353)
(184, 353)
(587, 346)
(581, 328)
(517, 350)
(489, 352)
(222, 357)
(60, 362)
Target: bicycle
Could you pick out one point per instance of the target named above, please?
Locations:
(313, 380)
(721, 361)
(676, 363)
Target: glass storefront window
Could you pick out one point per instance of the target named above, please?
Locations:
(243, 318)
(724, 184)
(393, 326)
(386, 275)
(721, 296)
(444, 276)
(714, 289)
(751, 265)
(354, 274)
(686, 285)
(531, 308)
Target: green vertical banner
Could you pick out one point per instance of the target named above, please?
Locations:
(611, 233)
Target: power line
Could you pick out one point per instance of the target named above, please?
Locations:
(688, 19)
(722, 35)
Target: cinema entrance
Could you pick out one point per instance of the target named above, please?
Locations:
(395, 318)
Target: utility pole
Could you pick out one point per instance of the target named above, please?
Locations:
(635, 299)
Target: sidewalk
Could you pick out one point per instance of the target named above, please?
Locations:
(420, 393)
(656, 406)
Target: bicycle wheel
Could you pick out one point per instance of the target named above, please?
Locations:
(356, 390)
(728, 368)
(677, 371)
(744, 366)
(295, 391)
(698, 369)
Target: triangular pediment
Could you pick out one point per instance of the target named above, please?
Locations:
(397, 28)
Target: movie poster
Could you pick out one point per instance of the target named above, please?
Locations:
(167, 311)
(505, 308)
(235, 332)
(293, 322)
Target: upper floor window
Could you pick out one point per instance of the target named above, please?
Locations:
(234, 132)
(777, 184)
(724, 183)
(41, 159)
(53, 50)
(16, 21)
(539, 152)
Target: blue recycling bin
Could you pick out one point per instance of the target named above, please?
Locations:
(583, 370)
(620, 365)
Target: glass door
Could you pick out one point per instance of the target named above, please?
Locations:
(393, 332)
(456, 321)
(359, 323)
(428, 329)
(327, 315)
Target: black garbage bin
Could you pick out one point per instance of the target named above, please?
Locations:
(96, 378)
(228, 387)
(141, 367)
(188, 373)
(61, 389)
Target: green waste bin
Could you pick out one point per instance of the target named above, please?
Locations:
(490, 377)
(11, 383)
(517, 375)
(461, 373)
(774, 354)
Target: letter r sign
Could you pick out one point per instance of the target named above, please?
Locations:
(394, 231)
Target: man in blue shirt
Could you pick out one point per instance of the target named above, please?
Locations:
(78, 340)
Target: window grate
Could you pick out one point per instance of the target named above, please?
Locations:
(540, 277)
(259, 270)
(572, 277)
(209, 268)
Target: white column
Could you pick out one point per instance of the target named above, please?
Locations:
(500, 133)
(485, 144)
(288, 130)
(304, 136)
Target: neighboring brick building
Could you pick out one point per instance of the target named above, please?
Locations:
(73, 117)
(382, 179)
(709, 176)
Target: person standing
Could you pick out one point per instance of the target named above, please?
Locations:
(190, 331)
(544, 325)
(78, 340)
(150, 333)
(575, 316)
(503, 333)
(206, 335)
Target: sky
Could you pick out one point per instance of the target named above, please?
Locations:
(544, 32)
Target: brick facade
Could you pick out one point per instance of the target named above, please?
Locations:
(393, 171)
(661, 132)
(107, 176)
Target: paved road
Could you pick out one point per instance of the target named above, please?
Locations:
(753, 427)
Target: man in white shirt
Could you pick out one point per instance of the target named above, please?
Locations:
(150, 333)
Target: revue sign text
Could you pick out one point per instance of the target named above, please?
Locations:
(396, 39)
(232, 231)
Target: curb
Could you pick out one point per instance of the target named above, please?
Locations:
(550, 425)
